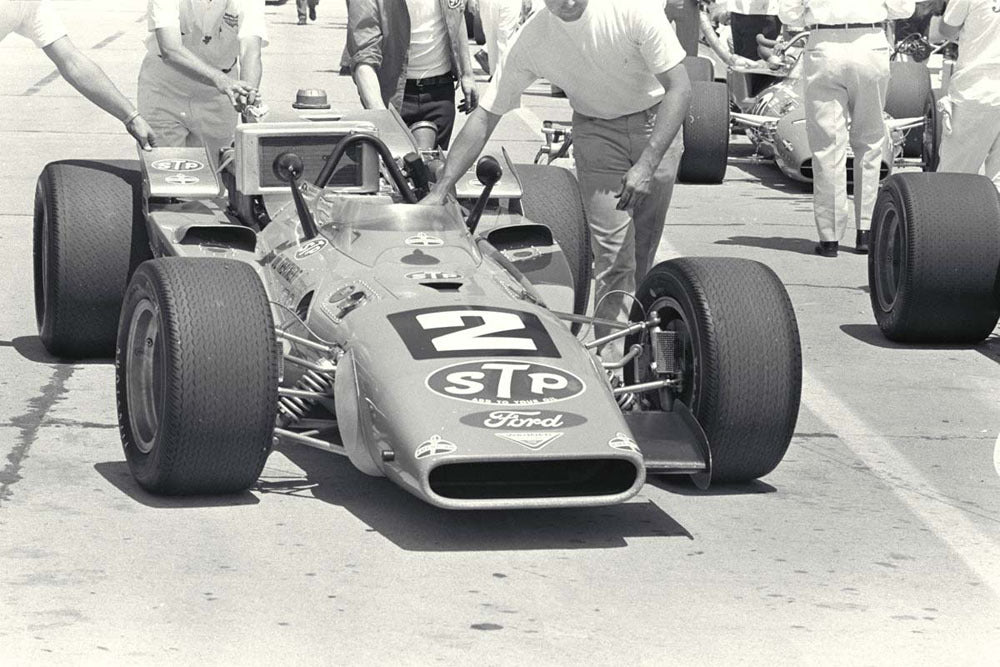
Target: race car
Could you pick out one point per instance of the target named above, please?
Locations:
(294, 293)
(774, 118)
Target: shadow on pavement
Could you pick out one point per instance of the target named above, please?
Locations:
(870, 334)
(414, 525)
(801, 246)
(764, 170)
(117, 473)
(683, 486)
(31, 348)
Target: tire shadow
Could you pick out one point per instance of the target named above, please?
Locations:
(782, 243)
(872, 335)
(118, 475)
(32, 349)
(683, 486)
(414, 525)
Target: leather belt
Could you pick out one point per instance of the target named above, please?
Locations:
(845, 26)
(431, 81)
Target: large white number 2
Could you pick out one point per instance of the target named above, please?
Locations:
(476, 338)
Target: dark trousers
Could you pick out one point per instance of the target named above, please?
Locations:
(746, 27)
(435, 103)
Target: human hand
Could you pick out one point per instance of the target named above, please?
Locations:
(240, 93)
(636, 185)
(944, 106)
(470, 92)
(142, 133)
(434, 198)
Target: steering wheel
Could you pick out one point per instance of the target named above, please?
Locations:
(398, 179)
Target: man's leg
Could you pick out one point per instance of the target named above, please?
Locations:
(993, 159)
(867, 90)
(602, 158)
(650, 216)
(826, 128)
(214, 122)
(438, 106)
(164, 108)
(302, 9)
(966, 147)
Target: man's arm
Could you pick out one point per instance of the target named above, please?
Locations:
(953, 19)
(364, 45)
(250, 66)
(175, 54)
(369, 89)
(637, 182)
(467, 147)
(90, 80)
(458, 43)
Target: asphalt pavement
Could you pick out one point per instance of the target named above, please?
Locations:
(876, 541)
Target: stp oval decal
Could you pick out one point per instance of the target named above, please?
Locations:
(177, 165)
(505, 382)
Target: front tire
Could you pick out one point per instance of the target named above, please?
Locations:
(738, 356)
(934, 264)
(196, 376)
(89, 235)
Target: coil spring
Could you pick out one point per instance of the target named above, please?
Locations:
(295, 408)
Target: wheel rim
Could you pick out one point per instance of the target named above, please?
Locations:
(889, 259)
(144, 375)
(672, 318)
(929, 140)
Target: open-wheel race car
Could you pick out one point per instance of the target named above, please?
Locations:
(303, 296)
(774, 117)
(934, 263)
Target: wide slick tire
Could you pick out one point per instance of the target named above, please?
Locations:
(737, 353)
(89, 235)
(706, 134)
(551, 196)
(934, 263)
(196, 376)
(909, 86)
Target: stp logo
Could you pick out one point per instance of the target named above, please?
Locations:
(177, 165)
(505, 382)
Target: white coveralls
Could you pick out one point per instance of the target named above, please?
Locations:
(35, 20)
(846, 70)
(182, 110)
(974, 139)
(501, 19)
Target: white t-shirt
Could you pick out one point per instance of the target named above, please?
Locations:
(428, 54)
(977, 72)
(212, 30)
(35, 19)
(808, 12)
(605, 61)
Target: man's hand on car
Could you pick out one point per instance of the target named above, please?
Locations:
(142, 133)
(434, 198)
(240, 93)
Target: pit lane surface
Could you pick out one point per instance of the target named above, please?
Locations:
(876, 541)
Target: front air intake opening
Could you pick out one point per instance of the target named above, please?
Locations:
(484, 480)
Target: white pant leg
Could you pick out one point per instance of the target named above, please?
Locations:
(500, 21)
(826, 108)
(868, 133)
(974, 140)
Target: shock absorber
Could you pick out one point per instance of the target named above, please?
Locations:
(293, 406)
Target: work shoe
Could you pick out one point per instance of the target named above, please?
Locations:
(862, 241)
(483, 59)
(302, 21)
(826, 248)
(312, 12)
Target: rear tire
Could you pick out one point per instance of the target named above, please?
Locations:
(551, 196)
(196, 376)
(909, 86)
(738, 353)
(934, 264)
(89, 235)
(706, 134)
(699, 69)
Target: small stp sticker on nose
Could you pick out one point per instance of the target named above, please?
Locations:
(177, 165)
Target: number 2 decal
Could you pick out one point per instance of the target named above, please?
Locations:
(472, 331)
(478, 338)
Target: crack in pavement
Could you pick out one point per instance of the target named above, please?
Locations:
(29, 423)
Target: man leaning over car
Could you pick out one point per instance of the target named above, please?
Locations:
(619, 62)
(38, 21)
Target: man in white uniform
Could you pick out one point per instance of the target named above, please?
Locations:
(846, 70)
(190, 83)
(37, 20)
(501, 18)
(972, 122)
(619, 62)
